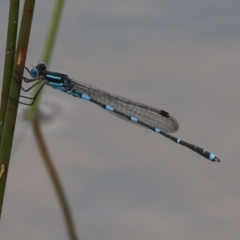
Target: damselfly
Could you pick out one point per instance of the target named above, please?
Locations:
(140, 114)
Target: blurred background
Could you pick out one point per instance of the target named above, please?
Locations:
(123, 181)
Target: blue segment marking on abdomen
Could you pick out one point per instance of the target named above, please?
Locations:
(212, 156)
(85, 97)
(133, 119)
(109, 108)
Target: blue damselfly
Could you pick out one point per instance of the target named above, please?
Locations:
(140, 114)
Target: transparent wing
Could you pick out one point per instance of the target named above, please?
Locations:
(154, 117)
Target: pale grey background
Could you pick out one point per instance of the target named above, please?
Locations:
(123, 181)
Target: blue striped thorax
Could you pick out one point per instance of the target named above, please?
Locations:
(56, 80)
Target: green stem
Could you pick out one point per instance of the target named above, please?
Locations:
(9, 59)
(48, 49)
(14, 93)
(61, 196)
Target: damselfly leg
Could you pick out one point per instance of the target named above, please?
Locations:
(27, 80)
(31, 98)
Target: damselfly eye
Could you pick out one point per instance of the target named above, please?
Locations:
(34, 72)
(42, 66)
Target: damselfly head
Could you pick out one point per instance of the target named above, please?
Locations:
(36, 71)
